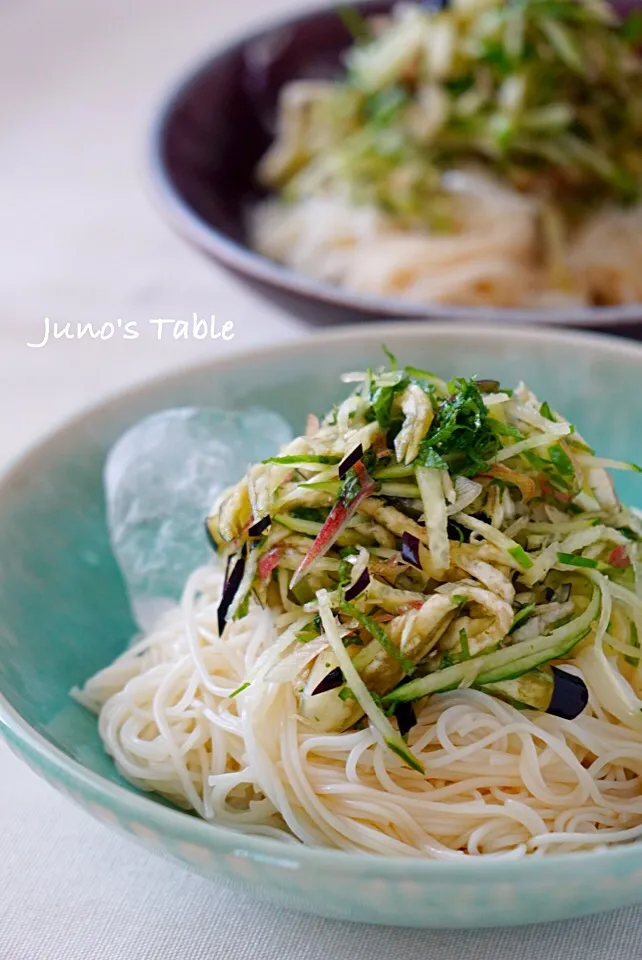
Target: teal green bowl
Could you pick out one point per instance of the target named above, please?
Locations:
(64, 614)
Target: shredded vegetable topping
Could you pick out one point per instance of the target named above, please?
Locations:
(447, 120)
(438, 535)
(544, 93)
(420, 636)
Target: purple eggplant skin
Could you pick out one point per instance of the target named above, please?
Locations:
(570, 695)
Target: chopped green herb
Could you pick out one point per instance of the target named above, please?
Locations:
(378, 633)
(522, 615)
(539, 463)
(345, 693)
(425, 377)
(459, 600)
(463, 641)
(561, 460)
(353, 641)
(382, 399)
(546, 411)
(345, 571)
(394, 365)
(351, 486)
(518, 553)
(311, 632)
(572, 561)
(504, 429)
(461, 433)
(430, 458)
(240, 689)
(348, 552)
(556, 469)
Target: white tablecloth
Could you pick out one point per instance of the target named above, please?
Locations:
(80, 241)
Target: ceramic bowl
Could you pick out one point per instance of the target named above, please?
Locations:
(215, 125)
(64, 614)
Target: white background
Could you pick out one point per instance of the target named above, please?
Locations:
(81, 241)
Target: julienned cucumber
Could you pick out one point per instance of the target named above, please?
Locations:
(533, 689)
(309, 527)
(504, 664)
(362, 695)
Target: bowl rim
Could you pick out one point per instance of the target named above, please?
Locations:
(144, 808)
(239, 257)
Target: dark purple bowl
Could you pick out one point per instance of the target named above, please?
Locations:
(212, 131)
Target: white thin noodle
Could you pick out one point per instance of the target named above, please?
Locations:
(494, 259)
(498, 781)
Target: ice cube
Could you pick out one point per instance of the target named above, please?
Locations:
(161, 479)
